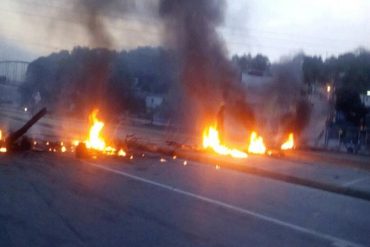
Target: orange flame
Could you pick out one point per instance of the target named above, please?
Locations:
(211, 139)
(256, 144)
(2, 149)
(289, 144)
(122, 153)
(95, 139)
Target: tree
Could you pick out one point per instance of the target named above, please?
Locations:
(247, 63)
(260, 63)
(349, 102)
(356, 71)
(313, 70)
(86, 78)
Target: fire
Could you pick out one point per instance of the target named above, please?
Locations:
(211, 139)
(289, 144)
(122, 153)
(256, 145)
(2, 149)
(95, 139)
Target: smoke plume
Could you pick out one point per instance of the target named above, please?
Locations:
(206, 73)
(93, 14)
(279, 100)
(95, 18)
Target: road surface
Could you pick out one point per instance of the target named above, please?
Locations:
(55, 200)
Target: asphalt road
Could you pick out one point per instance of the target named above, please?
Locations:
(53, 200)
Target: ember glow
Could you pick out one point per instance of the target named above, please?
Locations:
(256, 144)
(122, 153)
(211, 140)
(289, 144)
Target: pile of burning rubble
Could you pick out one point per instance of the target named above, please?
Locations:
(95, 145)
(205, 67)
(256, 145)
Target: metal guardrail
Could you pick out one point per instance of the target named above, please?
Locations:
(13, 70)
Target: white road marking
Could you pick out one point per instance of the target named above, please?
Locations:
(334, 240)
(355, 181)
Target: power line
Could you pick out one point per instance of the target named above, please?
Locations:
(156, 34)
(289, 39)
(246, 43)
(70, 20)
(32, 43)
(75, 14)
(250, 46)
(234, 29)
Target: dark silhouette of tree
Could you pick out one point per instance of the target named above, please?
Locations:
(313, 70)
(349, 70)
(247, 63)
(84, 78)
(349, 102)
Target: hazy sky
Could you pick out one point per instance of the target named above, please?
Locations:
(282, 27)
(272, 27)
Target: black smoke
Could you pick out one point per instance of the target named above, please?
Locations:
(93, 15)
(207, 75)
(280, 100)
(95, 18)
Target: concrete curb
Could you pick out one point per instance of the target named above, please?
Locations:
(342, 190)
